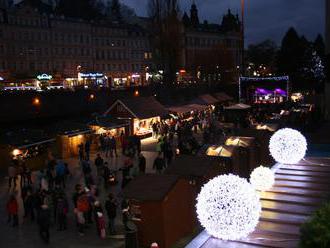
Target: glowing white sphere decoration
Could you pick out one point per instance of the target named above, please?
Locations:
(228, 207)
(287, 146)
(262, 178)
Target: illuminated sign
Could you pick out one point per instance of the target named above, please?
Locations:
(44, 77)
(90, 75)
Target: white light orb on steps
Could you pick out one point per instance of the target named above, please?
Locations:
(262, 178)
(287, 146)
(228, 207)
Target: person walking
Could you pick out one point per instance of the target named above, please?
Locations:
(111, 209)
(61, 212)
(81, 151)
(87, 149)
(60, 172)
(99, 162)
(44, 223)
(29, 205)
(12, 174)
(12, 210)
(159, 164)
(142, 164)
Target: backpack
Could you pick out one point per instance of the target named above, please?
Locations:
(83, 204)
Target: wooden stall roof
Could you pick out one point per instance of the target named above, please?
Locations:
(23, 138)
(107, 122)
(298, 191)
(69, 128)
(187, 165)
(239, 106)
(207, 99)
(187, 108)
(240, 141)
(150, 187)
(223, 97)
(141, 107)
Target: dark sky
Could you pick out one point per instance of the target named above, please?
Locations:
(264, 18)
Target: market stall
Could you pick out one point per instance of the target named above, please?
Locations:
(69, 135)
(140, 112)
(32, 147)
(249, 144)
(262, 138)
(236, 112)
(153, 198)
(232, 157)
(196, 169)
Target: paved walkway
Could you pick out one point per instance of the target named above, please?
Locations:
(26, 234)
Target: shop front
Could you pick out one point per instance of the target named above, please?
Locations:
(110, 127)
(69, 136)
(140, 112)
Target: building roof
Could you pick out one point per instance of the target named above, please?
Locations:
(68, 128)
(222, 97)
(239, 106)
(37, 4)
(208, 99)
(191, 166)
(150, 187)
(22, 138)
(187, 108)
(141, 107)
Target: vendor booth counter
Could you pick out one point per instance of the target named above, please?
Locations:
(110, 127)
(232, 157)
(159, 204)
(139, 112)
(32, 147)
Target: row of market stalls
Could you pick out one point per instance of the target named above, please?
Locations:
(128, 116)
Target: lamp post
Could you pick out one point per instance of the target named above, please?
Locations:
(242, 35)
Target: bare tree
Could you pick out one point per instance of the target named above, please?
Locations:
(167, 31)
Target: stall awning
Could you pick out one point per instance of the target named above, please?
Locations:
(140, 107)
(223, 97)
(108, 123)
(208, 99)
(239, 106)
(220, 151)
(187, 108)
(239, 141)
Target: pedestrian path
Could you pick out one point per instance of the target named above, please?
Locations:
(26, 234)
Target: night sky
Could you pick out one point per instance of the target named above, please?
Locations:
(264, 18)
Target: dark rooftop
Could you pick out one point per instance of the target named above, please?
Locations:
(192, 166)
(150, 187)
(144, 107)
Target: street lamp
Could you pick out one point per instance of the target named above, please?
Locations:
(242, 33)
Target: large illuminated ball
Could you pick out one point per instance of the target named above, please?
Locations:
(287, 146)
(262, 178)
(228, 207)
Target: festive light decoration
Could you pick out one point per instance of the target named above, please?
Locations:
(262, 178)
(287, 146)
(228, 207)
